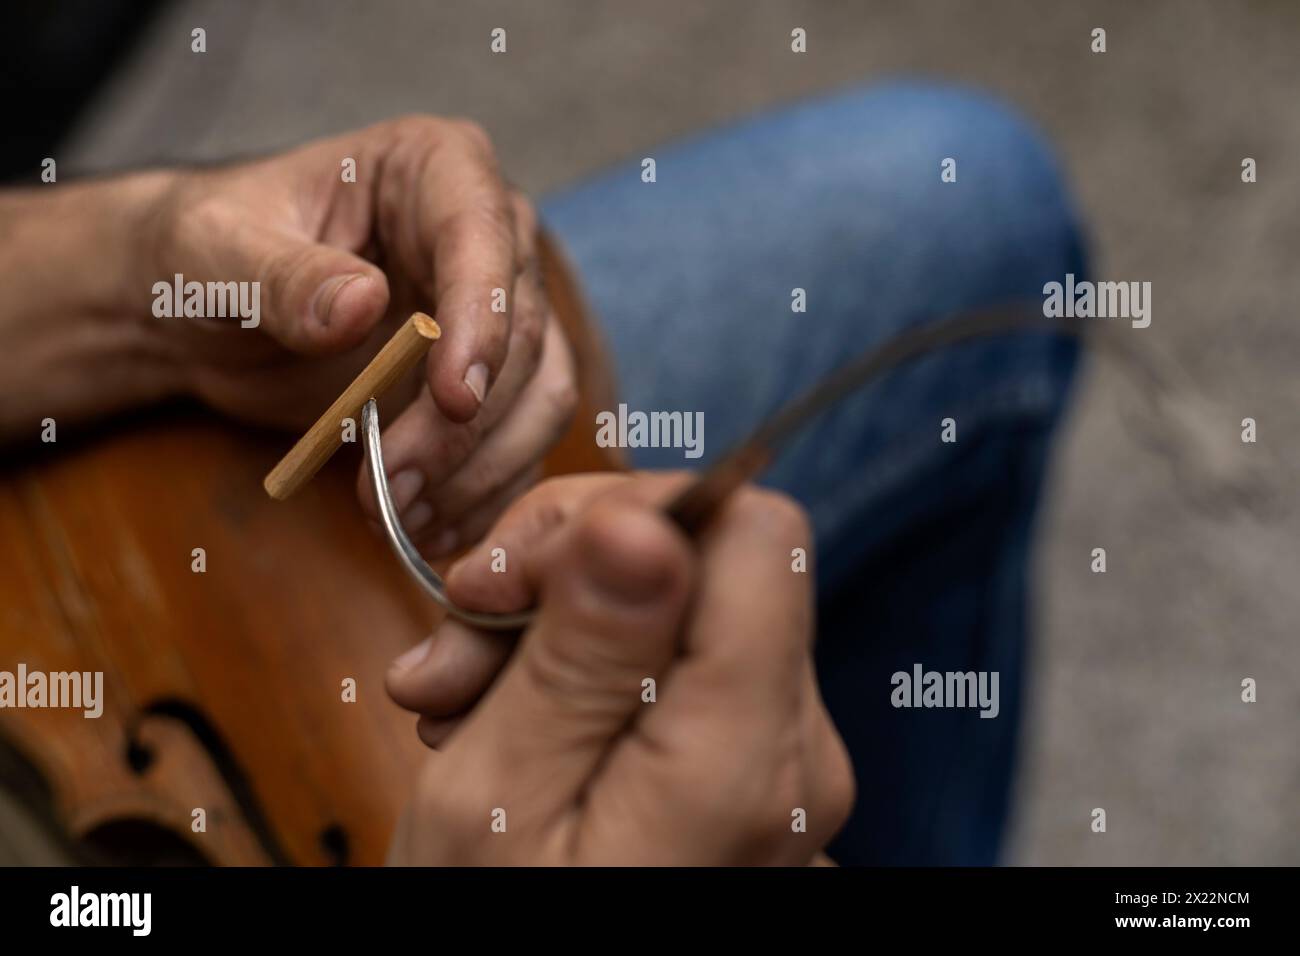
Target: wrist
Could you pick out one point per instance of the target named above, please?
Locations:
(86, 246)
(120, 225)
(126, 230)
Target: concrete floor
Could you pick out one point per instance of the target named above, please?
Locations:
(1136, 692)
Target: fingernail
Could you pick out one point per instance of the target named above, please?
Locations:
(421, 514)
(327, 294)
(412, 657)
(404, 486)
(476, 380)
(445, 543)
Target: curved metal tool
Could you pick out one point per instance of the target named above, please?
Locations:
(406, 552)
(702, 498)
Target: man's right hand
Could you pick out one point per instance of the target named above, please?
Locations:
(550, 750)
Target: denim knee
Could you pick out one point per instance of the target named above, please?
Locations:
(969, 178)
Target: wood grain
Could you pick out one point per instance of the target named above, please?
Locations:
(398, 356)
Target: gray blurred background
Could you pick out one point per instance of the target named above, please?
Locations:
(1135, 692)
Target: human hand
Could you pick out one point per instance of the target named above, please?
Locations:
(428, 224)
(552, 739)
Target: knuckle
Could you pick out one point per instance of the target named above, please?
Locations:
(524, 210)
(488, 220)
(417, 125)
(280, 267)
(548, 492)
(562, 394)
(562, 398)
(459, 441)
(389, 206)
(286, 280)
(474, 132)
(559, 670)
(602, 531)
(487, 475)
(416, 135)
(202, 218)
(528, 330)
(499, 217)
(544, 512)
(460, 229)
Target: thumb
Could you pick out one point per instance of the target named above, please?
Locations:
(614, 588)
(313, 298)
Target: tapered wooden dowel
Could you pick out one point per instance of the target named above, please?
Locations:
(395, 359)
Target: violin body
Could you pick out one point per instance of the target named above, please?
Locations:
(242, 641)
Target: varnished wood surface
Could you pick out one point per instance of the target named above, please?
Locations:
(294, 599)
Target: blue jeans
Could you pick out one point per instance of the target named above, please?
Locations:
(923, 545)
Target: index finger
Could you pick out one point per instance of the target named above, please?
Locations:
(752, 626)
(466, 218)
(481, 582)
